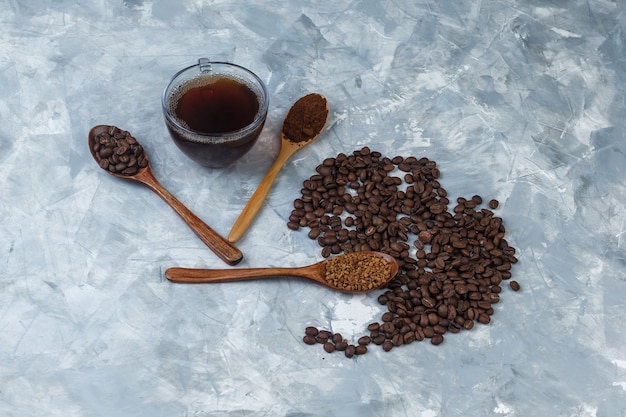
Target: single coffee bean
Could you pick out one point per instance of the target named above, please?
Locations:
(312, 331)
(484, 318)
(437, 339)
(322, 337)
(514, 285)
(364, 340)
(408, 337)
(341, 346)
(350, 351)
(373, 326)
(428, 302)
(361, 350)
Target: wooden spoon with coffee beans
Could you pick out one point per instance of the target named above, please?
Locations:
(118, 153)
(354, 272)
(302, 125)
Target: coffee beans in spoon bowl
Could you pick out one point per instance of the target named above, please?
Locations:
(120, 154)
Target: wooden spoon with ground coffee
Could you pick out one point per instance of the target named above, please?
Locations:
(351, 272)
(119, 153)
(304, 122)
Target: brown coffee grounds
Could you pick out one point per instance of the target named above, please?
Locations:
(357, 271)
(306, 118)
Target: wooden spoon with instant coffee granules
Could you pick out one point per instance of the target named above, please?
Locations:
(354, 272)
(118, 153)
(303, 123)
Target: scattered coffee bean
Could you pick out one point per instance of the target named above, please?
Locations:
(350, 351)
(365, 340)
(361, 350)
(514, 285)
(355, 203)
(311, 331)
(437, 339)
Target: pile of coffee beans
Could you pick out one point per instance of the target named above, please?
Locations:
(357, 271)
(452, 262)
(119, 152)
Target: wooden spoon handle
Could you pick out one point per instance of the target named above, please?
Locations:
(191, 275)
(218, 244)
(249, 212)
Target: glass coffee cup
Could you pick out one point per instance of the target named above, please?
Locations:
(215, 111)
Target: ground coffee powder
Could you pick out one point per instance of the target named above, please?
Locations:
(306, 118)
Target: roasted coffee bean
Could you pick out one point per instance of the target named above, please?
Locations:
(428, 332)
(341, 346)
(364, 340)
(311, 331)
(354, 203)
(408, 337)
(329, 347)
(429, 302)
(484, 318)
(350, 351)
(373, 326)
(309, 340)
(439, 329)
(388, 328)
(361, 350)
(437, 339)
(388, 316)
(514, 285)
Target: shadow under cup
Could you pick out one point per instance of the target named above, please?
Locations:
(215, 111)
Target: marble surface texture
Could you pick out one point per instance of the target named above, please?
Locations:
(523, 101)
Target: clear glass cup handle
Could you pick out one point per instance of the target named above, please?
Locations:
(205, 65)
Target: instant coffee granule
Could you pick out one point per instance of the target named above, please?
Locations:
(453, 257)
(357, 271)
(119, 152)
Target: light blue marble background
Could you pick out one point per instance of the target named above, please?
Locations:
(520, 101)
